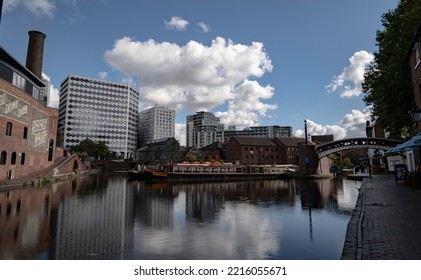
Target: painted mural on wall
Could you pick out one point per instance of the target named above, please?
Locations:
(19, 110)
(14, 108)
(39, 128)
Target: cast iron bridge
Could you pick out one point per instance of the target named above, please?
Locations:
(352, 143)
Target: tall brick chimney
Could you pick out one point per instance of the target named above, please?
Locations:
(35, 53)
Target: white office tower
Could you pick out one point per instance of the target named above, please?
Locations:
(203, 129)
(44, 93)
(155, 124)
(101, 111)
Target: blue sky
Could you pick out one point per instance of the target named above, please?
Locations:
(267, 62)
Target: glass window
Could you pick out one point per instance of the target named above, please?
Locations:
(417, 54)
(13, 161)
(3, 157)
(35, 93)
(22, 159)
(50, 150)
(25, 133)
(18, 81)
(9, 129)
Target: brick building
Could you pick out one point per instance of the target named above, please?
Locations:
(253, 150)
(414, 61)
(27, 127)
(214, 151)
(164, 151)
(289, 149)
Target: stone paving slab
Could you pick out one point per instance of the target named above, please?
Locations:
(386, 223)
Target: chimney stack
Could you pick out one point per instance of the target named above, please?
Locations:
(35, 52)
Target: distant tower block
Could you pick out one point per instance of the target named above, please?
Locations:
(35, 52)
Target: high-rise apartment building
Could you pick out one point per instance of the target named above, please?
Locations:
(270, 131)
(203, 129)
(101, 111)
(156, 123)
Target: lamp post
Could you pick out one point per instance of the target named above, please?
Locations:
(415, 114)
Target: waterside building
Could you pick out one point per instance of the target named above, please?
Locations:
(28, 128)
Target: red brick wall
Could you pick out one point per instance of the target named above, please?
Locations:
(213, 155)
(255, 154)
(234, 152)
(308, 159)
(416, 82)
(36, 146)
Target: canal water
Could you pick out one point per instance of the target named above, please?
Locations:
(109, 217)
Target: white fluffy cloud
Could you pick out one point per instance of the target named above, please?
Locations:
(37, 7)
(247, 108)
(180, 133)
(317, 129)
(352, 76)
(53, 95)
(204, 27)
(177, 23)
(355, 122)
(196, 77)
(352, 125)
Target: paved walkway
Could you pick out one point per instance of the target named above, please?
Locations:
(386, 223)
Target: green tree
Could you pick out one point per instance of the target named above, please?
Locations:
(387, 85)
(101, 150)
(89, 147)
(346, 163)
(353, 157)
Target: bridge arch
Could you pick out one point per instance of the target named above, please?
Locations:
(352, 143)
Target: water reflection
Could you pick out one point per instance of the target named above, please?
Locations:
(106, 217)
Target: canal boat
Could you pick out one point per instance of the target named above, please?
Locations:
(137, 175)
(217, 171)
(140, 173)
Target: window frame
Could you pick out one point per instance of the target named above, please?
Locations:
(3, 158)
(9, 128)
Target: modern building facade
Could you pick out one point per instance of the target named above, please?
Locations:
(155, 124)
(101, 111)
(259, 131)
(203, 129)
(28, 128)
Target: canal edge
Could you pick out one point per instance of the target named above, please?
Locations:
(352, 249)
(359, 225)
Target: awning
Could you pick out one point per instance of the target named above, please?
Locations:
(411, 144)
(396, 150)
